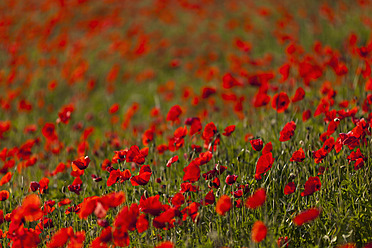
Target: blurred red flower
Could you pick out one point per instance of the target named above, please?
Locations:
(223, 205)
(306, 216)
(259, 231)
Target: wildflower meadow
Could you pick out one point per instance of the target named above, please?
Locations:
(185, 123)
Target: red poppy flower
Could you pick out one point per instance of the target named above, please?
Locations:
(192, 211)
(306, 216)
(229, 130)
(264, 164)
(290, 188)
(4, 127)
(319, 155)
(174, 113)
(238, 193)
(30, 208)
(192, 173)
(209, 131)
(280, 102)
(4, 195)
(142, 223)
(228, 81)
(312, 185)
(215, 183)
(284, 71)
(166, 244)
(64, 202)
(121, 237)
(306, 115)
(147, 137)
(287, 132)
(114, 108)
(81, 163)
(209, 199)
(231, 179)
(256, 144)
(267, 148)
(259, 231)
(49, 131)
(299, 95)
(60, 238)
(6, 178)
(355, 155)
(114, 176)
(65, 114)
(359, 163)
(298, 156)
(257, 199)
(261, 99)
(166, 219)
(208, 91)
(34, 186)
(223, 205)
(180, 132)
(141, 179)
(172, 160)
(178, 199)
(44, 182)
(59, 169)
(151, 205)
(309, 71)
(126, 219)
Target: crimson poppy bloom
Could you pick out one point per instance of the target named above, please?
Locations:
(306, 216)
(287, 131)
(229, 130)
(174, 113)
(142, 223)
(280, 102)
(143, 177)
(172, 160)
(223, 205)
(256, 144)
(257, 199)
(34, 186)
(192, 173)
(267, 148)
(178, 199)
(284, 71)
(231, 179)
(6, 178)
(4, 195)
(151, 205)
(290, 188)
(306, 115)
(299, 95)
(61, 237)
(259, 231)
(81, 163)
(263, 165)
(298, 156)
(228, 81)
(312, 185)
(209, 131)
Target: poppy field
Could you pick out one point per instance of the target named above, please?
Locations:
(185, 123)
